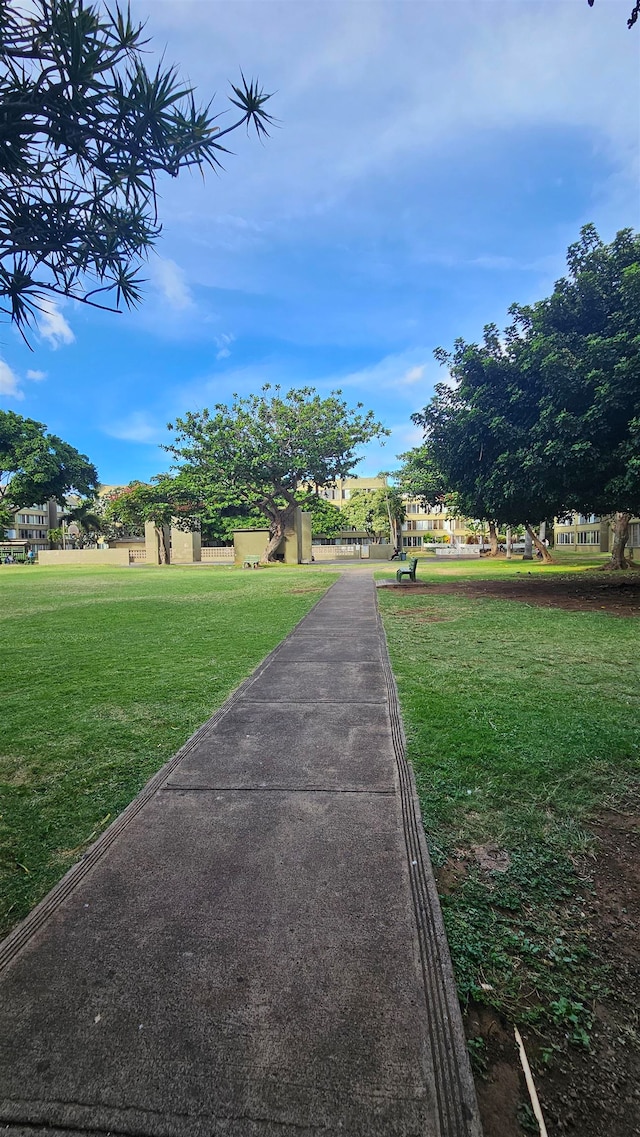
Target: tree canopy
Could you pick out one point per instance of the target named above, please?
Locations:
(36, 466)
(326, 518)
(263, 449)
(419, 477)
(546, 418)
(85, 130)
(377, 512)
(165, 502)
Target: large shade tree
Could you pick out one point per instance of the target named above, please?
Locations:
(264, 449)
(36, 466)
(546, 417)
(85, 131)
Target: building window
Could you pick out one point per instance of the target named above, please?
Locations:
(587, 519)
(565, 538)
(634, 535)
(589, 537)
(412, 542)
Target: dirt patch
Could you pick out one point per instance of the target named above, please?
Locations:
(500, 1084)
(491, 858)
(618, 594)
(585, 1093)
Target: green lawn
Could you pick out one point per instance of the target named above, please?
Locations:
(105, 674)
(522, 722)
(441, 568)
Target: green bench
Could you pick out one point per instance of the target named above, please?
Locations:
(251, 561)
(410, 571)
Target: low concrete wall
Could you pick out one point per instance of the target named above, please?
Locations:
(464, 552)
(249, 543)
(84, 557)
(185, 547)
(379, 552)
(336, 552)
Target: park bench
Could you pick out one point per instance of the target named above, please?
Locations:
(410, 571)
(251, 561)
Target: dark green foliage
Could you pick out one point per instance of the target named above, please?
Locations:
(379, 513)
(420, 478)
(85, 131)
(326, 519)
(546, 418)
(36, 466)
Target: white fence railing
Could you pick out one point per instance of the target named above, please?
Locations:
(335, 552)
(137, 555)
(217, 553)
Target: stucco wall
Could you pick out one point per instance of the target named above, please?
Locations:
(249, 543)
(84, 557)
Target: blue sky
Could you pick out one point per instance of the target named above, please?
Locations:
(432, 162)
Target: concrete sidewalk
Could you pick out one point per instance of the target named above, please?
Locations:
(255, 947)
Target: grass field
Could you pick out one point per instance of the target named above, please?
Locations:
(522, 724)
(105, 674)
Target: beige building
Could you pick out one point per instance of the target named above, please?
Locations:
(587, 533)
(30, 529)
(422, 526)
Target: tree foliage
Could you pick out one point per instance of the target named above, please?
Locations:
(265, 448)
(36, 466)
(326, 519)
(166, 502)
(546, 418)
(85, 130)
(85, 516)
(379, 513)
(420, 478)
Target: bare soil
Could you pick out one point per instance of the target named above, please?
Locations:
(584, 1093)
(615, 593)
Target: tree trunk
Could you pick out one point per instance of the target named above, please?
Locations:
(280, 520)
(163, 552)
(508, 542)
(542, 549)
(493, 539)
(528, 545)
(275, 537)
(620, 538)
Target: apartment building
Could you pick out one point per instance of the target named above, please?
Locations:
(426, 525)
(587, 533)
(30, 529)
(422, 525)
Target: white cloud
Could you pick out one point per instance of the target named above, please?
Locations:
(364, 86)
(36, 376)
(399, 372)
(414, 374)
(222, 342)
(9, 383)
(170, 280)
(52, 325)
(138, 427)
